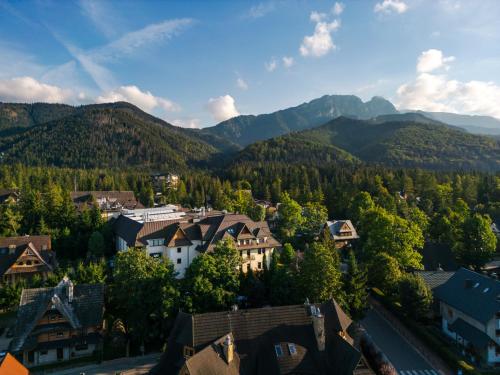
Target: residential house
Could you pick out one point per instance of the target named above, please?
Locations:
(183, 238)
(342, 232)
(298, 339)
(23, 257)
(9, 195)
(9, 365)
(111, 203)
(170, 180)
(470, 314)
(58, 324)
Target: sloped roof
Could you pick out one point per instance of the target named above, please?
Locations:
(478, 338)
(9, 365)
(86, 309)
(335, 227)
(256, 332)
(478, 299)
(433, 279)
(35, 244)
(111, 200)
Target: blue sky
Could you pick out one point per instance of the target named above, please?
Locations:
(195, 63)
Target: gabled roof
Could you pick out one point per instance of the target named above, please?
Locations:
(477, 338)
(336, 227)
(433, 279)
(85, 310)
(9, 365)
(475, 295)
(109, 200)
(256, 332)
(35, 244)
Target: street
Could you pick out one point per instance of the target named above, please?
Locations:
(123, 366)
(400, 352)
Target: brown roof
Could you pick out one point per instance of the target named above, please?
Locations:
(210, 229)
(256, 332)
(39, 245)
(112, 200)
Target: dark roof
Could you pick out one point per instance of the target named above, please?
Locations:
(474, 294)
(255, 333)
(335, 227)
(39, 245)
(107, 200)
(8, 193)
(211, 229)
(477, 338)
(433, 279)
(86, 309)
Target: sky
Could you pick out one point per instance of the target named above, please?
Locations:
(196, 63)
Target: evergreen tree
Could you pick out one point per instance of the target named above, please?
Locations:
(415, 296)
(355, 292)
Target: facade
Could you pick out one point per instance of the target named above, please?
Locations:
(470, 314)
(182, 239)
(58, 324)
(299, 339)
(111, 203)
(23, 257)
(342, 232)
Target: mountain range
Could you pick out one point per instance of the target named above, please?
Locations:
(331, 129)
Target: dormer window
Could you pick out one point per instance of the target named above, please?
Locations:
(486, 290)
(278, 350)
(188, 352)
(292, 349)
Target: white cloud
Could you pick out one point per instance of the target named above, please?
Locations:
(241, 83)
(271, 65)
(222, 108)
(338, 8)
(260, 10)
(192, 123)
(28, 89)
(102, 17)
(317, 17)
(436, 92)
(321, 42)
(288, 61)
(143, 99)
(432, 59)
(389, 6)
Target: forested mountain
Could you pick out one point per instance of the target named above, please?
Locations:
(247, 129)
(474, 124)
(398, 142)
(115, 135)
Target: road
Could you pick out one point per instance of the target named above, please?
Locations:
(400, 352)
(123, 366)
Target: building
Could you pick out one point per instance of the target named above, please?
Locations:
(21, 258)
(111, 203)
(299, 339)
(342, 232)
(9, 195)
(161, 180)
(58, 324)
(9, 365)
(182, 239)
(470, 314)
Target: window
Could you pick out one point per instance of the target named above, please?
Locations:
(485, 290)
(43, 352)
(36, 262)
(155, 255)
(259, 251)
(278, 350)
(28, 262)
(292, 349)
(179, 249)
(20, 263)
(188, 352)
(60, 334)
(248, 253)
(179, 260)
(248, 267)
(259, 265)
(241, 253)
(476, 285)
(81, 347)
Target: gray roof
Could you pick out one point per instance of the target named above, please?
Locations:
(477, 338)
(336, 228)
(86, 309)
(433, 279)
(474, 294)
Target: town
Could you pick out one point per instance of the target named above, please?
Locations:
(91, 276)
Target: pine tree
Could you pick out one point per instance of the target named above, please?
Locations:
(356, 295)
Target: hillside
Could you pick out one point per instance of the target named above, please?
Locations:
(394, 143)
(244, 130)
(115, 135)
(486, 125)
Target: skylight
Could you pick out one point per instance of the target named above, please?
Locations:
(292, 349)
(476, 285)
(486, 290)
(278, 350)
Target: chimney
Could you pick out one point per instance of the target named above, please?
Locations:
(69, 288)
(468, 284)
(228, 348)
(318, 321)
(12, 249)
